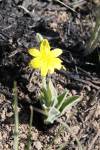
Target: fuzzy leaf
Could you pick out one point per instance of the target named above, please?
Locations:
(52, 94)
(42, 98)
(69, 101)
(52, 114)
(39, 38)
(61, 99)
(45, 97)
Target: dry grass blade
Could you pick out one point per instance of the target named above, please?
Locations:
(66, 5)
(95, 37)
(95, 138)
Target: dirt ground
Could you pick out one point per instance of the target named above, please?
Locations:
(20, 20)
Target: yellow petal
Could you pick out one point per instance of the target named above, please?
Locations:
(35, 63)
(56, 52)
(30, 64)
(57, 63)
(44, 69)
(63, 67)
(51, 70)
(54, 63)
(45, 46)
(34, 52)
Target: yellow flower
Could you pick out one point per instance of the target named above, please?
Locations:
(45, 59)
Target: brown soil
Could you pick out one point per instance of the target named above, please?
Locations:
(64, 29)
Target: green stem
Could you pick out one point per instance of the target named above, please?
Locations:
(45, 93)
(44, 82)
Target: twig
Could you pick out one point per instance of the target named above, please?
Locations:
(95, 138)
(14, 52)
(71, 76)
(33, 15)
(92, 107)
(7, 94)
(4, 34)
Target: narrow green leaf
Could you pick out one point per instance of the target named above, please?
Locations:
(29, 135)
(52, 90)
(63, 145)
(52, 94)
(61, 99)
(66, 125)
(42, 98)
(70, 101)
(45, 97)
(15, 118)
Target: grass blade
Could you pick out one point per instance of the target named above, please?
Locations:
(29, 135)
(66, 5)
(62, 147)
(15, 118)
(63, 126)
(63, 123)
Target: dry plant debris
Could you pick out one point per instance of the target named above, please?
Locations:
(20, 20)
